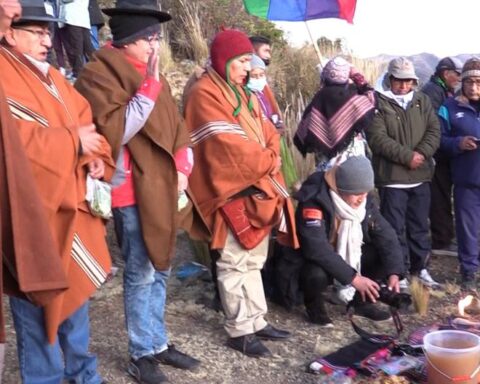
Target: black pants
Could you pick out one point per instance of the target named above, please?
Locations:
(314, 279)
(78, 46)
(407, 209)
(441, 217)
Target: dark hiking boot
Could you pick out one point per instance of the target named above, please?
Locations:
(146, 371)
(272, 333)
(249, 345)
(175, 358)
(317, 313)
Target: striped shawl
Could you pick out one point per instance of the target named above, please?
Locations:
(334, 116)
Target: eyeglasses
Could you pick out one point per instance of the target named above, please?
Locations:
(40, 33)
(152, 38)
(472, 82)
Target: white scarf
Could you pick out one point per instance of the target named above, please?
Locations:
(402, 100)
(349, 237)
(42, 66)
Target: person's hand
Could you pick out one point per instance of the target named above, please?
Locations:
(417, 160)
(90, 139)
(182, 181)
(468, 143)
(394, 283)
(278, 166)
(10, 10)
(368, 288)
(96, 168)
(153, 69)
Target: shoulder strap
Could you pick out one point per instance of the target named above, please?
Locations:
(376, 338)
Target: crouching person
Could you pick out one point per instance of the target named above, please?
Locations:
(344, 240)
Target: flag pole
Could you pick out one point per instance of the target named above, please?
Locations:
(315, 45)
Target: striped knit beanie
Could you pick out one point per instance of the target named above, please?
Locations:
(471, 68)
(336, 71)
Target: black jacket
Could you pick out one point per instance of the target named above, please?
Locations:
(436, 90)
(314, 235)
(438, 93)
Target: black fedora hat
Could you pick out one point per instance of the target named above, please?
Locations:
(138, 7)
(35, 10)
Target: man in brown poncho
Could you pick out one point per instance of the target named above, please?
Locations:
(134, 109)
(54, 131)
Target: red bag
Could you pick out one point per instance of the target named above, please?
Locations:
(235, 215)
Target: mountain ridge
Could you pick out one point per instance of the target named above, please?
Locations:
(424, 62)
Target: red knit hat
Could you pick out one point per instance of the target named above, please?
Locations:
(227, 45)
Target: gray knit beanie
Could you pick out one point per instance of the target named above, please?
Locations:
(257, 62)
(354, 176)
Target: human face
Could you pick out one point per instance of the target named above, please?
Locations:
(30, 39)
(239, 68)
(257, 73)
(354, 201)
(264, 51)
(143, 48)
(451, 78)
(401, 86)
(471, 88)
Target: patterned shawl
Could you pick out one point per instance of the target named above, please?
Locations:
(333, 117)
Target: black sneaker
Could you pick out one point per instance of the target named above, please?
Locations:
(175, 358)
(272, 333)
(146, 371)
(371, 311)
(249, 345)
(449, 250)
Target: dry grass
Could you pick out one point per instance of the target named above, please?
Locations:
(166, 62)
(191, 42)
(420, 296)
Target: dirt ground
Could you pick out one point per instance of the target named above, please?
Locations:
(196, 329)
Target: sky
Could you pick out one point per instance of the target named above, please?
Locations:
(400, 27)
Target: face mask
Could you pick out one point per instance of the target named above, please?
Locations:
(266, 61)
(257, 85)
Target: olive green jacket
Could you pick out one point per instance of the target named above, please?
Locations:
(396, 133)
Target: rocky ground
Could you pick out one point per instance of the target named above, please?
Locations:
(197, 329)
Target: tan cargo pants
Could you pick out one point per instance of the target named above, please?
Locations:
(241, 288)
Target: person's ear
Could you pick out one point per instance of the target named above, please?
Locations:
(9, 37)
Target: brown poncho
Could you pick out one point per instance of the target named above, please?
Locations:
(109, 82)
(48, 112)
(232, 154)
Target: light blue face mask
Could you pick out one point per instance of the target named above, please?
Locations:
(257, 85)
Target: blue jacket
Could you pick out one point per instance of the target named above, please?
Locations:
(459, 119)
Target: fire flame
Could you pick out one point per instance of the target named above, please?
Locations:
(469, 302)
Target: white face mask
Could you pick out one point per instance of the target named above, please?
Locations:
(257, 85)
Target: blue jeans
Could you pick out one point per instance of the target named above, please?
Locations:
(94, 37)
(67, 359)
(144, 288)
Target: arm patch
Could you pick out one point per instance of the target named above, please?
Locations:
(312, 214)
